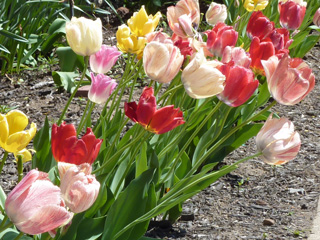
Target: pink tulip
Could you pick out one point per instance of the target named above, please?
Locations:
(35, 206)
(162, 62)
(237, 55)
(289, 79)
(316, 18)
(292, 13)
(103, 60)
(79, 189)
(239, 85)
(101, 88)
(259, 26)
(219, 37)
(183, 17)
(158, 36)
(277, 141)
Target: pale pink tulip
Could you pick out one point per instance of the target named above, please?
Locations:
(161, 61)
(101, 88)
(183, 17)
(201, 78)
(103, 60)
(277, 141)
(316, 18)
(35, 206)
(289, 79)
(236, 54)
(158, 36)
(79, 189)
(216, 13)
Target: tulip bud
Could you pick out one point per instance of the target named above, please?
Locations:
(236, 54)
(277, 141)
(255, 5)
(289, 79)
(141, 24)
(13, 137)
(259, 26)
(84, 35)
(292, 13)
(316, 18)
(101, 88)
(201, 78)
(79, 189)
(103, 60)
(216, 13)
(35, 206)
(161, 61)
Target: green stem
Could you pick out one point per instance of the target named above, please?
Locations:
(5, 155)
(224, 138)
(83, 116)
(4, 220)
(86, 118)
(19, 236)
(20, 168)
(6, 226)
(86, 61)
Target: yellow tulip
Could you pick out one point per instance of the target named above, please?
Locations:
(25, 155)
(255, 5)
(13, 137)
(141, 24)
(130, 43)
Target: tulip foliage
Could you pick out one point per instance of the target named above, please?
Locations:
(204, 92)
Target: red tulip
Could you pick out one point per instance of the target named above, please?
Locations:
(239, 85)
(260, 51)
(280, 37)
(183, 44)
(259, 26)
(289, 79)
(292, 13)
(152, 119)
(220, 37)
(66, 147)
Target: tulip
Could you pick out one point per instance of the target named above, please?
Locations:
(101, 88)
(316, 18)
(201, 78)
(289, 79)
(103, 60)
(141, 24)
(239, 85)
(84, 35)
(259, 26)
(277, 141)
(13, 137)
(66, 147)
(183, 17)
(260, 51)
(237, 55)
(292, 13)
(79, 189)
(35, 206)
(280, 38)
(155, 120)
(216, 13)
(158, 36)
(255, 5)
(220, 37)
(183, 44)
(161, 61)
(129, 43)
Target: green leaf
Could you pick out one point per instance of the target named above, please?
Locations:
(65, 80)
(90, 228)
(3, 198)
(141, 160)
(4, 49)
(67, 59)
(71, 234)
(13, 36)
(264, 94)
(55, 31)
(305, 46)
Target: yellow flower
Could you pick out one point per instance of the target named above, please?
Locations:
(130, 43)
(141, 24)
(13, 137)
(25, 155)
(255, 5)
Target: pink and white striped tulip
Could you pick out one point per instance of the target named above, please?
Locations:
(292, 13)
(236, 54)
(35, 205)
(79, 189)
(162, 61)
(289, 79)
(316, 18)
(103, 60)
(277, 141)
(101, 88)
(216, 13)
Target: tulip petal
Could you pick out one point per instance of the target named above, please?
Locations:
(146, 107)
(17, 121)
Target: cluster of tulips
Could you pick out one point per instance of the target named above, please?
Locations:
(212, 66)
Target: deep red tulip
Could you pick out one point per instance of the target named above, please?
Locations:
(260, 51)
(183, 44)
(220, 37)
(292, 13)
(259, 26)
(66, 147)
(239, 85)
(280, 37)
(152, 119)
